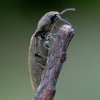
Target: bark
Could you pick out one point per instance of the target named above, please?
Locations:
(47, 87)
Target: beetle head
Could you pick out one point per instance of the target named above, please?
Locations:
(54, 16)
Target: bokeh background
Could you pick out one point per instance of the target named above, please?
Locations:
(80, 76)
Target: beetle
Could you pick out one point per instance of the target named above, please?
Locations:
(39, 45)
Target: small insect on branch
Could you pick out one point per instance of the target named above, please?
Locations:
(39, 45)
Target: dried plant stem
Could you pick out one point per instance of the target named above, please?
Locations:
(47, 87)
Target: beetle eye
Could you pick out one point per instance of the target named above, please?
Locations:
(50, 17)
(53, 18)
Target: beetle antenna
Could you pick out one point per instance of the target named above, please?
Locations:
(68, 9)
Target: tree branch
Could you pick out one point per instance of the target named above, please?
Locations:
(47, 87)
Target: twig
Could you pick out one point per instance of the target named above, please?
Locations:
(47, 87)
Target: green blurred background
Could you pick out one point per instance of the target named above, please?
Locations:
(80, 76)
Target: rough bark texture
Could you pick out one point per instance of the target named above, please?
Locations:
(47, 87)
